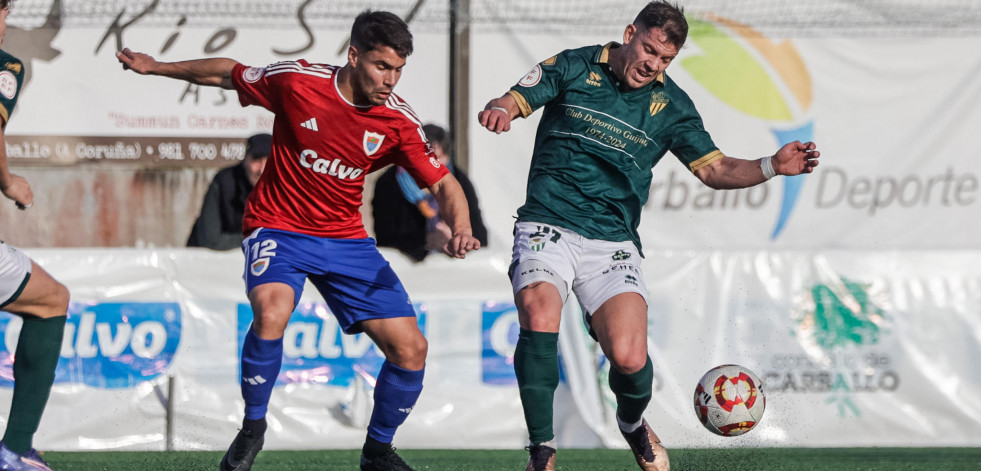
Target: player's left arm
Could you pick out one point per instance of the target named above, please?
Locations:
(13, 186)
(453, 209)
(730, 173)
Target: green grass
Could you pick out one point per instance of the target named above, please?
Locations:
(758, 459)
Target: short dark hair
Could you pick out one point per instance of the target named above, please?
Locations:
(258, 146)
(669, 17)
(373, 29)
(437, 135)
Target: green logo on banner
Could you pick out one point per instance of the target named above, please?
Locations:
(843, 315)
(838, 328)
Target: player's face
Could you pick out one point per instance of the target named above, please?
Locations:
(254, 168)
(375, 74)
(645, 55)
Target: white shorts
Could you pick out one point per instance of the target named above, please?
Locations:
(596, 270)
(15, 268)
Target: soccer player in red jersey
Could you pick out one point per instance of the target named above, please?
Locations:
(333, 125)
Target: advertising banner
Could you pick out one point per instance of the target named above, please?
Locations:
(899, 167)
(853, 350)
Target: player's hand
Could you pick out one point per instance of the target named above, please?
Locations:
(437, 238)
(138, 62)
(495, 118)
(20, 191)
(460, 244)
(796, 158)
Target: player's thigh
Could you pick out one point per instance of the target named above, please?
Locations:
(26, 288)
(543, 264)
(361, 285)
(272, 305)
(539, 307)
(276, 267)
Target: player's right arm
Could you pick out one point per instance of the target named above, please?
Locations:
(542, 84)
(498, 114)
(213, 72)
(14, 187)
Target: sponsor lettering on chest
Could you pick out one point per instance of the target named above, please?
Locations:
(309, 159)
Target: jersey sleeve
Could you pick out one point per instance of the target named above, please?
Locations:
(691, 143)
(416, 156)
(255, 86)
(11, 80)
(543, 83)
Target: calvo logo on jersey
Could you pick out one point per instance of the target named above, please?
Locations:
(106, 345)
(311, 160)
(372, 142)
(316, 350)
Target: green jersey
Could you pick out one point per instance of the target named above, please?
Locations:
(596, 145)
(11, 78)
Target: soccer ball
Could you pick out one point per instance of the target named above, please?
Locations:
(729, 400)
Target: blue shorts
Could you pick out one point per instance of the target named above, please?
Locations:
(355, 280)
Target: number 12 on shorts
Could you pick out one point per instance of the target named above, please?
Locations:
(261, 252)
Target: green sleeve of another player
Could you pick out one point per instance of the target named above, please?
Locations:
(11, 79)
(543, 83)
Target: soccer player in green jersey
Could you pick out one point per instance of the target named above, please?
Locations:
(29, 292)
(610, 114)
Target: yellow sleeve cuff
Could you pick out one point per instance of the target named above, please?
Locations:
(523, 107)
(706, 160)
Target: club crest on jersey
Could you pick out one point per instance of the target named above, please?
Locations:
(372, 142)
(259, 266)
(658, 101)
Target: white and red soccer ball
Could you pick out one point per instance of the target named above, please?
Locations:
(729, 400)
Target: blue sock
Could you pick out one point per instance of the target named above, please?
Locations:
(396, 393)
(261, 361)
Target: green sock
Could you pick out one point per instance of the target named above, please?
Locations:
(536, 363)
(38, 349)
(633, 392)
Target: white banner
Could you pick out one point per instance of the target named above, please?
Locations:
(854, 349)
(900, 168)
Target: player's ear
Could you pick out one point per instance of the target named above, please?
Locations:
(629, 32)
(352, 56)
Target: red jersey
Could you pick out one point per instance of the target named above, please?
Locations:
(322, 148)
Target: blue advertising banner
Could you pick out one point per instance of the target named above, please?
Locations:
(106, 345)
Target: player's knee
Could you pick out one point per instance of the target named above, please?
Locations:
(55, 302)
(268, 325)
(540, 307)
(628, 361)
(409, 353)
